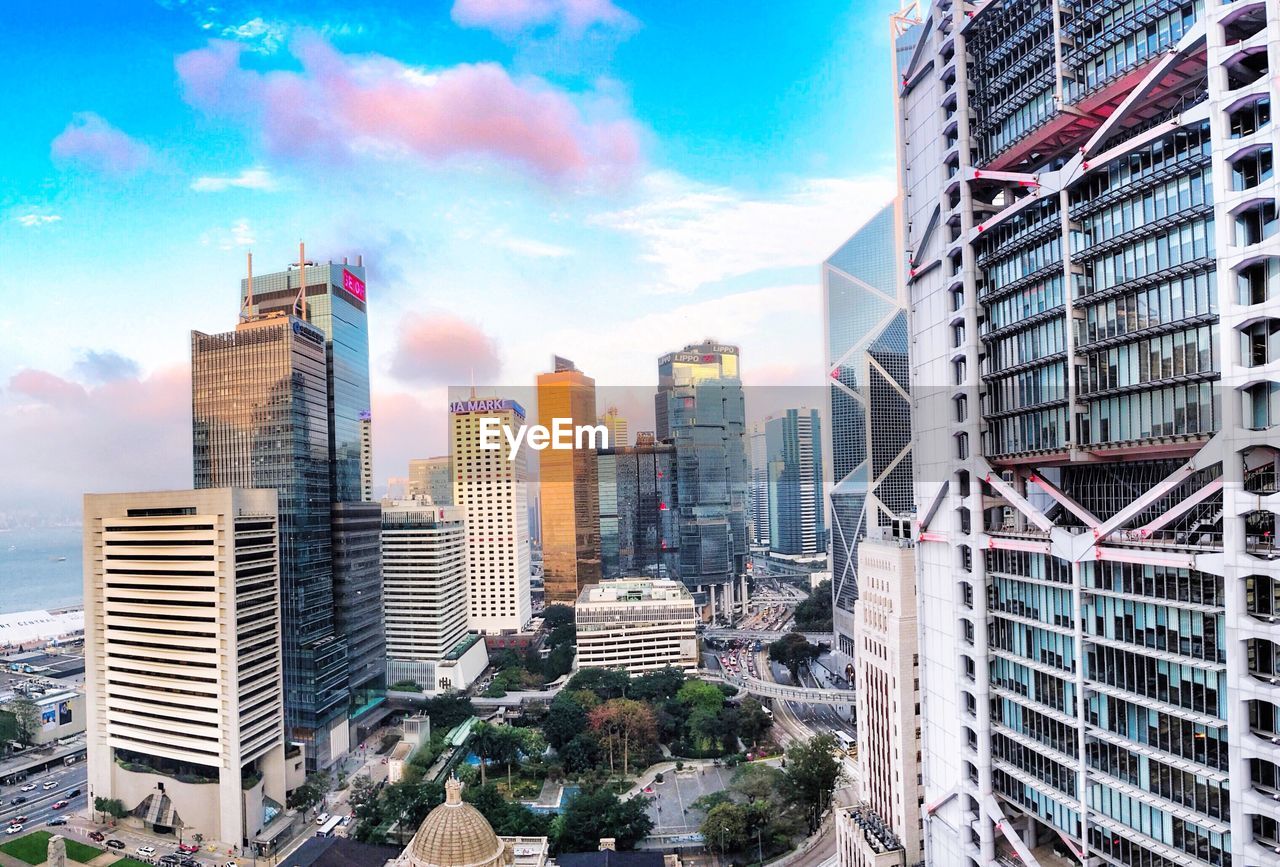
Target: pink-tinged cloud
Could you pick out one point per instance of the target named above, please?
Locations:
(509, 17)
(92, 143)
(343, 106)
(441, 349)
(406, 426)
(128, 434)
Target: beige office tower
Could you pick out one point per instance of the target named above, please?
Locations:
(637, 625)
(433, 478)
(618, 428)
(182, 661)
(885, 826)
(492, 487)
(568, 485)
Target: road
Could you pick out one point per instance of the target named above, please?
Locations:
(38, 807)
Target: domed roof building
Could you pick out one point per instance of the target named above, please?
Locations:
(456, 834)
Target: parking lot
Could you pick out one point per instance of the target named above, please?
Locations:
(672, 811)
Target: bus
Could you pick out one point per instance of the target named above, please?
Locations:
(327, 829)
(845, 739)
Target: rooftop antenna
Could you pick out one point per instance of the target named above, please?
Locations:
(300, 303)
(473, 383)
(247, 312)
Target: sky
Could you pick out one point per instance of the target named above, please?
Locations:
(604, 180)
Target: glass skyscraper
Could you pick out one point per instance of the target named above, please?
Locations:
(260, 420)
(638, 535)
(700, 409)
(865, 306)
(336, 303)
(793, 445)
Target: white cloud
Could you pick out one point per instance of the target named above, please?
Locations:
(33, 220)
(256, 178)
(535, 249)
(238, 234)
(262, 36)
(695, 234)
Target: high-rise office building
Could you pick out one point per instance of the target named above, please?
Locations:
(889, 814)
(759, 502)
(1090, 221)
(618, 428)
(336, 302)
(700, 409)
(431, 477)
(492, 487)
(637, 625)
(865, 307)
(568, 485)
(182, 660)
(424, 569)
(260, 420)
(638, 534)
(793, 446)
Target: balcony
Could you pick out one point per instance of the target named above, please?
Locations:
(1260, 535)
(1260, 465)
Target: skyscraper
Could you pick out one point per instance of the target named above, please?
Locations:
(568, 484)
(618, 427)
(865, 307)
(700, 409)
(793, 446)
(759, 502)
(431, 477)
(182, 660)
(260, 420)
(424, 563)
(335, 301)
(492, 487)
(1090, 221)
(638, 535)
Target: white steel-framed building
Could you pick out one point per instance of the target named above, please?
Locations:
(637, 625)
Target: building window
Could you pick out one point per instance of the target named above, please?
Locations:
(1249, 117)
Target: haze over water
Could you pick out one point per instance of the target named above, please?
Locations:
(32, 576)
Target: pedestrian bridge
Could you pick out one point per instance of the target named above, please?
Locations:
(765, 636)
(783, 692)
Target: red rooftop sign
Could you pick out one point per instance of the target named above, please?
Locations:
(353, 284)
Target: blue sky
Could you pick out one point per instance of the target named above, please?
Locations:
(604, 180)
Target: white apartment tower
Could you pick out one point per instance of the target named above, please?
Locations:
(183, 659)
(1090, 215)
(492, 488)
(637, 625)
(424, 596)
(888, 818)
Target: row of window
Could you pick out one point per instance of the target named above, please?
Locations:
(1187, 686)
(1154, 203)
(1157, 358)
(1043, 340)
(1179, 245)
(1170, 301)
(1180, 410)
(1038, 430)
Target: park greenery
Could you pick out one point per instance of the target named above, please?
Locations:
(794, 651)
(532, 670)
(813, 614)
(766, 808)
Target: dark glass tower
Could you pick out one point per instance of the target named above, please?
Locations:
(260, 420)
(336, 304)
(638, 534)
(700, 409)
(793, 443)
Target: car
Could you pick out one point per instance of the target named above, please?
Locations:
(97, 836)
(57, 820)
(115, 844)
(13, 829)
(231, 864)
(146, 851)
(322, 818)
(58, 805)
(29, 787)
(71, 794)
(188, 848)
(50, 784)
(189, 862)
(18, 800)
(18, 820)
(169, 860)
(346, 820)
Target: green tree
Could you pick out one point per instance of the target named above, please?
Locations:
(486, 742)
(309, 794)
(605, 683)
(509, 819)
(697, 694)
(793, 650)
(26, 719)
(657, 685)
(557, 615)
(595, 814)
(725, 827)
(559, 662)
(364, 806)
(813, 772)
(565, 721)
(813, 614)
(448, 711)
(753, 722)
(580, 754)
(408, 804)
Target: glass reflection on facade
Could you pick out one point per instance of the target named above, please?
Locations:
(870, 410)
(260, 420)
(700, 410)
(793, 443)
(637, 510)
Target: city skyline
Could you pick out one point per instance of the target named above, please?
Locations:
(180, 188)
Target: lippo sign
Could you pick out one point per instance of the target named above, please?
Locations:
(353, 284)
